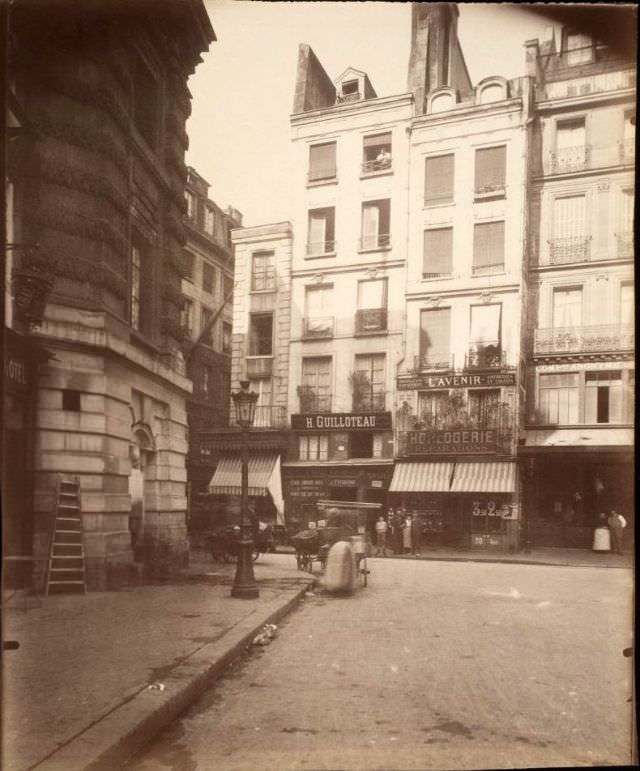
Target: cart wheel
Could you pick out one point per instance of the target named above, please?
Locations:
(364, 573)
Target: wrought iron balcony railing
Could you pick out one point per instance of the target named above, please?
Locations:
(563, 251)
(448, 274)
(376, 241)
(373, 401)
(319, 248)
(426, 363)
(569, 159)
(270, 417)
(259, 366)
(310, 401)
(496, 188)
(320, 173)
(603, 338)
(318, 327)
(369, 167)
(371, 320)
(625, 244)
(342, 98)
(485, 357)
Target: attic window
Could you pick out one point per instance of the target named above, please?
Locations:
(350, 87)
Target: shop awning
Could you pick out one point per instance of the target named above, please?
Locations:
(484, 478)
(227, 478)
(421, 478)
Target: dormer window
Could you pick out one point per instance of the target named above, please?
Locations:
(350, 87)
(579, 48)
(349, 91)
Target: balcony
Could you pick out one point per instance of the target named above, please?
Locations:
(490, 191)
(317, 328)
(373, 401)
(344, 98)
(321, 248)
(489, 356)
(270, 417)
(321, 174)
(371, 167)
(604, 338)
(312, 401)
(568, 160)
(625, 244)
(564, 251)
(426, 363)
(376, 241)
(259, 366)
(431, 276)
(371, 320)
(627, 151)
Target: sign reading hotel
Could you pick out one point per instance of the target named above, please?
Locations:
(342, 421)
(426, 382)
(451, 442)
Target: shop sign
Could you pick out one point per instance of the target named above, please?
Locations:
(15, 374)
(376, 483)
(329, 421)
(491, 508)
(458, 441)
(427, 382)
(342, 482)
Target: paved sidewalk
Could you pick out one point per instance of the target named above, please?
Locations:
(76, 693)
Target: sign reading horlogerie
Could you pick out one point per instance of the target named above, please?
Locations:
(342, 421)
(425, 382)
(458, 441)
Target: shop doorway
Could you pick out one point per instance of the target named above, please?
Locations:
(342, 494)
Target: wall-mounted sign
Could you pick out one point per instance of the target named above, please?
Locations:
(376, 483)
(340, 421)
(484, 379)
(463, 441)
(338, 482)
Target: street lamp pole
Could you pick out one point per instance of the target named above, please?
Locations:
(244, 583)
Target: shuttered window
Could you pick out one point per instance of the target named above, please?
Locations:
(485, 324)
(437, 256)
(375, 224)
(321, 231)
(322, 161)
(490, 169)
(567, 307)
(435, 334)
(438, 186)
(488, 247)
(569, 217)
(316, 384)
(372, 294)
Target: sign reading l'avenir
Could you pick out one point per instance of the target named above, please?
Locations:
(425, 382)
(342, 421)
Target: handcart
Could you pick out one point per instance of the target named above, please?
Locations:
(223, 542)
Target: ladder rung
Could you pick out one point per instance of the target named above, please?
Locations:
(67, 557)
(69, 519)
(65, 582)
(73, 506)
(61, 530)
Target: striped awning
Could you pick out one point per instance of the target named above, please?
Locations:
(227, 478)
(484, 478)
(421, 478)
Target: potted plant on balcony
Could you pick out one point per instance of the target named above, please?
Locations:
(361, 390)
(308, 398)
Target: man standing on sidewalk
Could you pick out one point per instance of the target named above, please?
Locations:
(381, 536)
(617, 524)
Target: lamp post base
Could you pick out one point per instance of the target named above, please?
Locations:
(244, 583)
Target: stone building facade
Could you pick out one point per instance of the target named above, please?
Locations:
(99, 189)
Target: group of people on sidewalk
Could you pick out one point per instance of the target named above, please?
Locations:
(398, 531)
(615, 524)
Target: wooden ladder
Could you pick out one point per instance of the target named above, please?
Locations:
(65, 570)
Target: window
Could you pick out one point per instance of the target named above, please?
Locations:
(205, 318)
(209, 220)
(264, 413)
(186, 316)
(571, 150)
(628, 145)
(189, 263)
(350, 87)
(263, 272)
(438, 186)
(206, 380)
(315, 388)
(261, 334)
(227, 282)
(627, 306)
(626, 212)
(70, 400)
(208, 277)
(322, 161)
(567, 307)
(226, 337)
(145, 102)
(579, 48)
(569, 243)
(558, 398)
(483, 407)
(435, 344)
(321, 232)
(492, 93)
(371, 315)
(375, 224)
(314, 447)
(432, 407)
(368, 383)
(488, 247)
(485, 350)
(437, 254)
(490, 170)
(603, 397)
(191, 204)
(376, 152)
(318, 318)
(140, 288)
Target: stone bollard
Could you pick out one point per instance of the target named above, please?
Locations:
(340, 573)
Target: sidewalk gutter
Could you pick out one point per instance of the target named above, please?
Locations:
(114, 739)
(511, 561)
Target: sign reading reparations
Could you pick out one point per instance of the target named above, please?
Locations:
(455, 441)
(426, 382)
(342, 421)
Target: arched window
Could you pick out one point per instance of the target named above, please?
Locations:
(442, 100)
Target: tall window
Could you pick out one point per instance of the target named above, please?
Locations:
(567, 307)
(205, 319)
(437, 255)
(376, 152)
(318, 317)
(264, 414)
(208, 277)
(558, 398)
(321, 232)
(432, 407)
(260, 334)
(140, 288)
(627, 306)
(226, 337)
(313, 447)
(263, 272)
(209, 220)
(571, 150)
(186, 316)
(438, 184)
(191, 204)
(368, 382)
(145, 102)
(488, 247)
(227, 283)
(435, 337)
(322, 161)
(483, 406)
(207, 380)
(375, 224)
(569, 243)
(485, 327)
(579, 48)
(626, 211)
(315, 388)
(189, 264)
(372, 305)
(491, 169)
(603, 397)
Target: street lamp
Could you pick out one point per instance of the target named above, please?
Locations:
(244, 584)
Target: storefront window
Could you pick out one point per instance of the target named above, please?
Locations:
(603, 397)
(558, 398)
(314, 447)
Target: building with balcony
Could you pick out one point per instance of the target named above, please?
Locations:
(577, 446)
(206, 317)
(98, 191)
